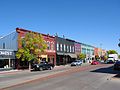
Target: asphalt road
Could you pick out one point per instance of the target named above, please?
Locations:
(97, 78)
(27, 73)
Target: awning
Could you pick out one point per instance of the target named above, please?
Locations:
(60, 54)
(73, 55)
(69, 54)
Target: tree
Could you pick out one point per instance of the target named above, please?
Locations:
(82, 56)
(32, 46)
(119, 56)
(97, 57)
(112, 52)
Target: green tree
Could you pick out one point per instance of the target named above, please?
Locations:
(112, 52)
(119, 56)
(97, 57)
(82, 56)
(32, 46)
(105, 57)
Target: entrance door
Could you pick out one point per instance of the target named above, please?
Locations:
(6, 63)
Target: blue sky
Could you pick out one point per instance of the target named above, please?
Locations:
(92, 22)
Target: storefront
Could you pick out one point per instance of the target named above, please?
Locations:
(7, 59)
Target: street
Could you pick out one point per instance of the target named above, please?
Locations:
(94, 77)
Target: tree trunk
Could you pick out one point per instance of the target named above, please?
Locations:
(29, 66)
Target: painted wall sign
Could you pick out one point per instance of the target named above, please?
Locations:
(9, 53)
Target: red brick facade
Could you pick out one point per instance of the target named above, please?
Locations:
(50, 53)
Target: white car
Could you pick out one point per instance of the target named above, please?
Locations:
(76, 63)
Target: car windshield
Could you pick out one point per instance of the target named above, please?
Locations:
(77, 61)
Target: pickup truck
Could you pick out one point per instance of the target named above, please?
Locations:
(43, 66)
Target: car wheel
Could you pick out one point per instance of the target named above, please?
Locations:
(40, 68)
(50, 68)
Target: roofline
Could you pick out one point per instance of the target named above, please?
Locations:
(25, 30)
(7, 35)
(7, 49)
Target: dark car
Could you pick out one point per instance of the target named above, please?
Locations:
(43, 66)
(109, 62)
(76, 63)
(117, 65)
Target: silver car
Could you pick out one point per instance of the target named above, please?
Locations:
(76, 63)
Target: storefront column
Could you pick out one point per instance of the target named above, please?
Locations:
(9, 62)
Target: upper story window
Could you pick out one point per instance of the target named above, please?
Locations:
(60, 47)
(57, 46)
(67, 48)
(64, 47)
(48, 45)
(73, 49)
(70, 49)
(52, 46)
(83, 50)
(3, 45)
(92, 52)
(88, 51)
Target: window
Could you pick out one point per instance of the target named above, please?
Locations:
(52, 46)
(84, 50)
(57, 46)
(64, 47)
(73, 49)
(70, 49)
(88, 51)
(48, 45)
(67, 48)
(3, 45)
(60, 47)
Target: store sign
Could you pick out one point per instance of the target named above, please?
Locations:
(6, 53)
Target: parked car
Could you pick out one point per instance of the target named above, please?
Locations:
(94, 62)
(43, 66)
(109, 62)
(102, 61)
(117, 65)
(76, 63)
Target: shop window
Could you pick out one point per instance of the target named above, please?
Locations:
(48, 59)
